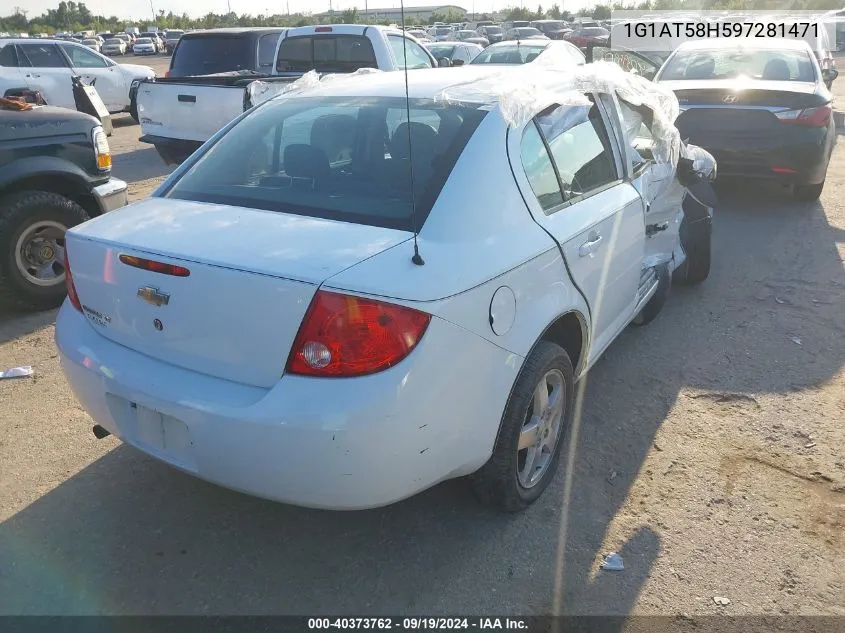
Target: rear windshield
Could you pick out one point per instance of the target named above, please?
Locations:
(341, 158)
(211, 54)
(771, 65)
(144, 40)
(114, 42)
(526, 32)
(508, 55)
(325, 53)
(493, 30)
(550, 26)
(441, 50)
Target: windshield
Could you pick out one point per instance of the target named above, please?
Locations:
(341, 158)
(595, 31)
(493, 30)
(441, 31)
(526, 32)
(550, 27)
(462, 35)
(144, 40)
(114, 42)
(772, 65)
(441, 50)
(508, 54)
(90, 41)
(325, 53)
(211, 54)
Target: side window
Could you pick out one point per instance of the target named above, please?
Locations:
(42, 56)
(417, 57)
(539, 169)
(8, 58)
(267, 50)
(580, 148)
(82, 57)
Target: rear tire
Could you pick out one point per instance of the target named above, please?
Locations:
(133, 109)
(501, 482)
(808, 193)
(21, 215)
(696, 239)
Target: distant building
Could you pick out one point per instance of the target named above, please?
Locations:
(394, 14)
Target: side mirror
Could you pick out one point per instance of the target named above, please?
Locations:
(444, 62)
(457, 62)
(829, 74)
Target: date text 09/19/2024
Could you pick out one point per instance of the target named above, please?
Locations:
(418, 624)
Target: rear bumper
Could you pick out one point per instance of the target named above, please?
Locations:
(339, 444)
(792, 156)
(173, 151)
(111, 195)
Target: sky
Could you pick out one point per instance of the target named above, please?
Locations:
(140, 9)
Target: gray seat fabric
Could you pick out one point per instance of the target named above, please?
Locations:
(306, 162)
(335, 135)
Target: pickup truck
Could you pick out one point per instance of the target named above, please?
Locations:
(199, 96)
(55, 173)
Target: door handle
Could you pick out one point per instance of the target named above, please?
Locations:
(33, 75)
(590, 246)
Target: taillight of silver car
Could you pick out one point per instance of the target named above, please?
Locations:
(343, 336)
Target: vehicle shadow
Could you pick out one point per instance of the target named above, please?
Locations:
(139, 165)
(129, 535)
(18, 323)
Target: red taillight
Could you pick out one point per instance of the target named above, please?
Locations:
(154, 266)
(71, 289)
(811, 117)
(784, 170)
(343, 336)
(323, 29)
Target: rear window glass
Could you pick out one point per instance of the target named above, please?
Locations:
(771, 65)
(341, 158)
(208, 55)
(7, 55)
(325, 53)
(508, 54)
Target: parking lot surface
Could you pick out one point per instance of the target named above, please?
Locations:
(710, 456)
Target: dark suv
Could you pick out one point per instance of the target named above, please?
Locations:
(55, 173)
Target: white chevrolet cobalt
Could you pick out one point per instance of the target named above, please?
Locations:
(344, 297)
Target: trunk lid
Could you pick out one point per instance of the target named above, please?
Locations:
(252, 277)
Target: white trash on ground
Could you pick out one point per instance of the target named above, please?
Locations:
(613, 562)
(17, 372)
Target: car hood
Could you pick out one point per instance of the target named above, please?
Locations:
(136, 70)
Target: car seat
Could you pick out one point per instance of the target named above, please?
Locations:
(776, 70)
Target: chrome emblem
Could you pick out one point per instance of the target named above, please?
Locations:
(154, 296)
(730, 99)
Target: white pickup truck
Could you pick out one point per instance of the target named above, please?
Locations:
(179, 113)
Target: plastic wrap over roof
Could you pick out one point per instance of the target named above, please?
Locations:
(553, 78)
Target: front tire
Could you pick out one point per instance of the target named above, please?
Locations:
(534, 427)
(32, 239)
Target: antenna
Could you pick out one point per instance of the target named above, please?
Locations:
(417, 259)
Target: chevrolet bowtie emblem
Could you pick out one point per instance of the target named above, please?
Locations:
(154, 296)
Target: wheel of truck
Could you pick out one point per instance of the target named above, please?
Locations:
(534, 427)
(696, 238)
(651, 309)
(32, 246)
(133, 109)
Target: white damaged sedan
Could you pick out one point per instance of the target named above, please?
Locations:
(344, 297)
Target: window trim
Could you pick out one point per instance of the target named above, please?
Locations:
(614, 150)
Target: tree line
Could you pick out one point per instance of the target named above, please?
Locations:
(75, 16)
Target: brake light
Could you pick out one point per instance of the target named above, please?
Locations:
(72, 296)
(323, 29)
(343, 336)
(154, 266)
(810, 117)
(783, 170)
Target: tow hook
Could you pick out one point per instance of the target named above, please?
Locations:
(100, 432)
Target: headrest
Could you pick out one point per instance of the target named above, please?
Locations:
(305, 161)
(423, 140)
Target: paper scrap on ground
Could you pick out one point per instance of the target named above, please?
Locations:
(17, 372)
(613, 562)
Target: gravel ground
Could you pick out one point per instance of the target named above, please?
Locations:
(709, 454)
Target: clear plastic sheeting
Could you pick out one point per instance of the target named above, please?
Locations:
(553, 78)
(703, 162)
(261, 91)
